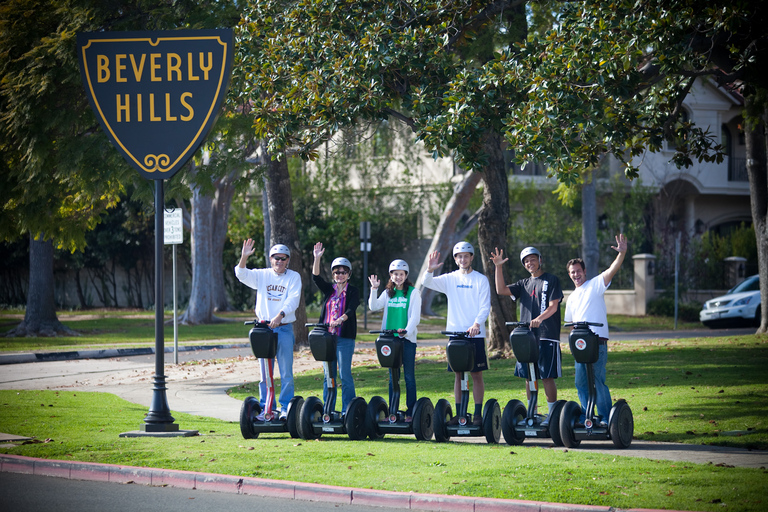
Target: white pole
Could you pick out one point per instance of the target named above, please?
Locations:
(175, 319)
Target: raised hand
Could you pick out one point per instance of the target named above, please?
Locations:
(621, 243)
(434, 261)
(374, 280)
(497, 257)
(318, 250)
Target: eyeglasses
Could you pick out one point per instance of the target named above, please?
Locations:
(340, 272)
(277, 258)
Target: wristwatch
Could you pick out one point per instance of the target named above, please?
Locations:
(282, 313)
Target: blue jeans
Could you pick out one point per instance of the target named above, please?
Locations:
(284, 358)
(345, 348)
(409, 373)
(603, 399)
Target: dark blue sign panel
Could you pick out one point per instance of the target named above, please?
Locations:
(156, 94)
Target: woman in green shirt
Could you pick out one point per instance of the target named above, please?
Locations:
(401, 302)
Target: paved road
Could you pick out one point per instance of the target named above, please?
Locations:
(64, 495)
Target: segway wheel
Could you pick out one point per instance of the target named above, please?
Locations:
(622, 425)
(310, 412)
(294, 410)
(376, 411)
(568, 418)
(354, 420)
(492, 421)
(554, 423)
(423, 414)
(248, 411)
(514, 413)
(443, 414)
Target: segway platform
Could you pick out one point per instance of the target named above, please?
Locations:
(461, 357)
(585, 347)
(382, 419)
(264, 346)
(316, 418)
(519, 422)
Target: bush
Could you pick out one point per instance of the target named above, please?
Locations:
(665, 306)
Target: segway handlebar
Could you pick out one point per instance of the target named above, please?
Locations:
(255, 322)
(317, 325)
(385, 331)
(517, 324)
(582, 324)
(455, 333)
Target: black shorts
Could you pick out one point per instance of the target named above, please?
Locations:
(549, 361)
(481, 359)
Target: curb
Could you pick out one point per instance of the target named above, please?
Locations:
(41, 357)
(281, 489)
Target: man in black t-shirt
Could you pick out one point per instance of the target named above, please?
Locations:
(539, 297)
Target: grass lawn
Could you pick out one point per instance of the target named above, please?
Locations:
(101, 329)
(703, 391)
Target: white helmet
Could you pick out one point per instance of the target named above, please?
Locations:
(463, 247)
(341, 262)
(399, 265)
(279, 249)
(528, 251)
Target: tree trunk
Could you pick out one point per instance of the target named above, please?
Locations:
(590, 252)
(283, 231)
(225, 191)
(40, 318)
(200, 308)
(492, 232)
(445, 234)
(756, 140)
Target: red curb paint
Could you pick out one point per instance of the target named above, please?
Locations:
(18, 464)
(219, 483)
(442, 503)
(86, 471)
(268, 488)
(180, 479)
(326, 493)
(565, 507)
(125, 474)
(55, 468)
(381, 498)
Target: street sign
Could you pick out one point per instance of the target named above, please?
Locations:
(174, 227)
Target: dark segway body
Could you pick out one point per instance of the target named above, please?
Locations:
(316, 418)
(517, 422)
(461, 357)
(264, 346)
(585, 347)
(380, 419)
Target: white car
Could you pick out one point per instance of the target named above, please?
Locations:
(740, 305)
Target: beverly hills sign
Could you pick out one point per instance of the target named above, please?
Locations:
(156, 94)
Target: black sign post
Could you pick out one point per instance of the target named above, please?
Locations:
(157, 95)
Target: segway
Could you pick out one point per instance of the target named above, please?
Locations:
(461, 356)
(380, 420)
(517, 423)
(316, 419)
(264, 346)
(585, 346)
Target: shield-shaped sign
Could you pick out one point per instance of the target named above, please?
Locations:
(156, 94)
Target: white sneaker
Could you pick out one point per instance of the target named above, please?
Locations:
(283, 416)
(260, 417)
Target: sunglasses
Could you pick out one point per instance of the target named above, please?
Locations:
(277, 258)
(340, 272)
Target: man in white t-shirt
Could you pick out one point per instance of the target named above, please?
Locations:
(469, 303)
(278, 293)
(587, 304)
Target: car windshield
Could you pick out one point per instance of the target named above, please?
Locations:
(750, 284)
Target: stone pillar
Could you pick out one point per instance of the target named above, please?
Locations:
(645, 286)
(735, 270)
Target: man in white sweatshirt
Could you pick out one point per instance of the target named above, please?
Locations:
(469, 303)
(278, 292)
